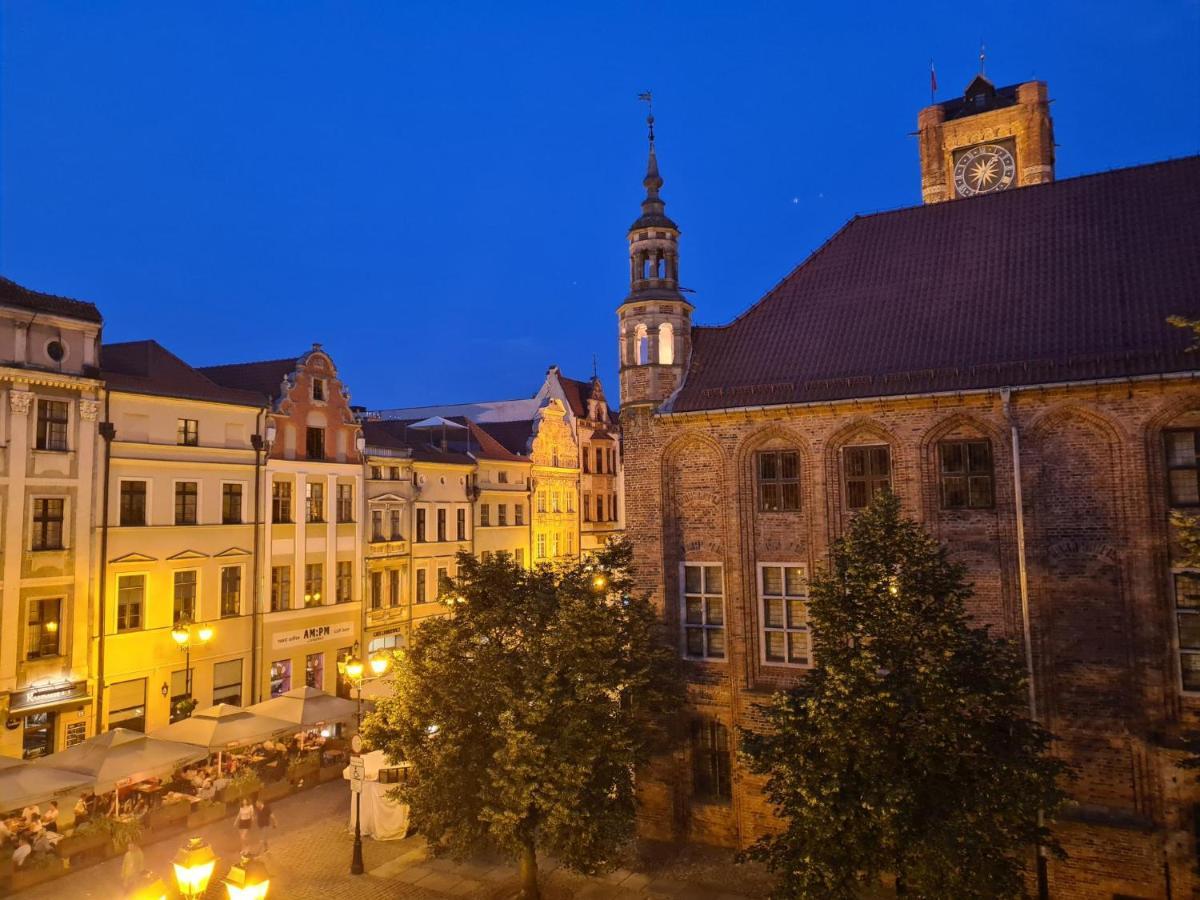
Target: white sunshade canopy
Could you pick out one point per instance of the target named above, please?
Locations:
(306, 706)
(22, 783)
(436, 422)
(121, 756)
(223, 726)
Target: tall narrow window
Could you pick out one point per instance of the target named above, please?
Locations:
(48, 515)
(599, 460)
(314, 580)
(485, 515)
(281, 588)
(281, 502)
(641, 345)
(133, 503)
(231, 591)
(1187, 624)
(421, 585)
(868, 472)
(966, 474)
(345, 503)
(314, 443)
(666, 344)
(599, 507)
(131, 599)
(587, 507)
(185, 596)
(377, 589)
(45, 625)
(778, 481)
(585, 455)
(541, 501)
(711, 759)
(377, 525)
(783, 593)
(314, 501)
(441, 524)
(186, 500)
(395, 532)
(187, 432)
(344, 592)
(231, 504)
(502, 514)
(519, 514)
(51, 425)
(318, 388)
(541, 546)
(394, 587)
(703, 612)
(420, 537)
(1183, 467)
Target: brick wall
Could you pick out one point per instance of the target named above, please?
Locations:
(1098, 552)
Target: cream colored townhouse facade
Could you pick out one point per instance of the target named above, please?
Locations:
(313, 537)
(48, 442)
(177, 540)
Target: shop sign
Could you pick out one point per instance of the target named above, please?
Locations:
(43, 696)
(316, 634)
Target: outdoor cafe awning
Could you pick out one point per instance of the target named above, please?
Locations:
(120, 756)
(306, 706)
(23, 783)
(223, 726)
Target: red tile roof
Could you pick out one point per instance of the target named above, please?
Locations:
(12, 294)
(425, 444)
(146, 367)
(1067, 281)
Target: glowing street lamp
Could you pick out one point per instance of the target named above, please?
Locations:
(181, 634)
(248, 880)
(194, 864)
(599, 581)
(148, 887)
(354, 669)
(379, 664)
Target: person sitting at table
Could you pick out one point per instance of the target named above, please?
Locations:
(206, 791)
(43, 843)
(24, 848)
(50, 817)
(82, 813)
(29, 812)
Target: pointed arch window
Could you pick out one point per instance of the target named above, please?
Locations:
(666, 344)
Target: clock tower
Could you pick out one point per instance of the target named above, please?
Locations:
(990, 139)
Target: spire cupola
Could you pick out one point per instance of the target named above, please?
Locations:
(655, 318)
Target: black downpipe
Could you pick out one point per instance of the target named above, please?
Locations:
(107, 432)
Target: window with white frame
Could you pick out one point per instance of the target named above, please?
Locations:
(703, 611)
(783, 599)
(1187, 625)
(131, 598)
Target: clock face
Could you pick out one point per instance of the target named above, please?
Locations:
(984, 169)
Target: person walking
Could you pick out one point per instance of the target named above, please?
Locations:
(132, 865)
(245, 820)
(266, 819)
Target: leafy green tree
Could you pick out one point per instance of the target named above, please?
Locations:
(908, 748)
(526, 711)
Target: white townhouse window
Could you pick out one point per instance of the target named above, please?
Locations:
(783, 599)
(1187, 628)
(703, 611)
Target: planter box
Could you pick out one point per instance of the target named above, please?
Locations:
(169, 815)
(74, 844)
(235, 792)
(206, 815)
(330, 773)
(26, 878)
(276, 789)
(308, 773)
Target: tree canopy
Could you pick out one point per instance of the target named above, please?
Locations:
(908, 748)
(526, 710)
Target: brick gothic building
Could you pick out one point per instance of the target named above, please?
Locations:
(1001, 361)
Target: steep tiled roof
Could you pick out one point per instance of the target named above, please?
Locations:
(514, 436)
(461, 444)
(264, 377)
(1067, 281)
(146, 367)
(12, 294)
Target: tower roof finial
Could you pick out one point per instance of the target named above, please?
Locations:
(982, 58)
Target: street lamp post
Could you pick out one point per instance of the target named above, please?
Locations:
(353, 669)
(182, 635)
(194, 864)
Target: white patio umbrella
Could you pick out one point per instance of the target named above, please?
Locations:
(122, 756)
(22, 784)
(306, 706)
(222, 727)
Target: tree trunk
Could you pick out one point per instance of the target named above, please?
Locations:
(529, 873)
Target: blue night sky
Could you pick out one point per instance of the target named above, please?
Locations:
(439, 192)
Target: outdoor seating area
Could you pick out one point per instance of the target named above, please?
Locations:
(88, 802)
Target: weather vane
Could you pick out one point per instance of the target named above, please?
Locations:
(982, 59)
(647, 97)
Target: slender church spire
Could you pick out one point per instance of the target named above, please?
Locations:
(653, 207)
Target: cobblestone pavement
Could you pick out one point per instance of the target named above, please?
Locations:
(309, 859)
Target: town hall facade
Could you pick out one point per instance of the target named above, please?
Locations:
(998, 357)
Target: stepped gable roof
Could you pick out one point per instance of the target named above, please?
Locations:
(13, 294)
(265, 377)
(147, 367)
(1067, 281)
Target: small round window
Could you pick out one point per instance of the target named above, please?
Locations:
(56, 351)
